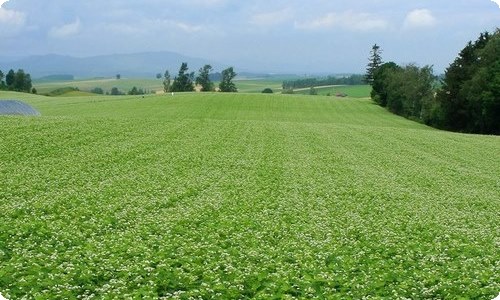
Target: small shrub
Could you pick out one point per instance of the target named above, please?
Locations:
(136, 91)
(267, 91)
(97, 90)
(116, 92)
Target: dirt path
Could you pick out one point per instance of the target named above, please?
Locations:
(320, 87)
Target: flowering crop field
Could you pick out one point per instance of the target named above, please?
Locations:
(243, 196)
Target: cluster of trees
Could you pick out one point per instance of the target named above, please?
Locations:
(116, 92)
(467, 101)
(330, 80)
(97, 90)
(405, 90)
(16, 81)
(136, 91)
(185, 81)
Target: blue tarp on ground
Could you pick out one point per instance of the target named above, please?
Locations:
(15, 107)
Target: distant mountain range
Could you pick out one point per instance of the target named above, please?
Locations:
(129, 65)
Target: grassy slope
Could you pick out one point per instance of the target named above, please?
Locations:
(243, 196)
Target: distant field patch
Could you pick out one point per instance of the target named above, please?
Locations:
(258, 85)
(106, 84)
(353, 91)
(149, 85)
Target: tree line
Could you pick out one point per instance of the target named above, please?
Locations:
(185, 81)
(314, 82)
(19, 81)
(116, 92)
(466, 99)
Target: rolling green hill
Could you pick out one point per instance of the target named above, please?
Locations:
(238, 196)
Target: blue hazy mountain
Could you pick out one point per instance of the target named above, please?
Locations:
(146, 64)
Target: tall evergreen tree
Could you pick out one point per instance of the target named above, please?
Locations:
(115, 91)
(27, 84)
(470, 99)
(183, 82)
(10, 78)
(380, 82)
(375, 61)
(166, 82)
(227, 84)
(2, 83)
(203, 79)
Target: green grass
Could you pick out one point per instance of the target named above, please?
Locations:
(231, 196)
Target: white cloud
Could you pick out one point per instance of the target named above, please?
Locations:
(121, 29)
(146, 27)
(171, 24)
(497, 2)
(204, 2)
(189, 28)
(11, 17)
(11, 22)
(348, 20)
(66, 30)
(272, 18)
(419, 18)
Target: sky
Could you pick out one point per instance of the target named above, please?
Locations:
(281, 36)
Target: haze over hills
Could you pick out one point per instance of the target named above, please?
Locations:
(146, 64)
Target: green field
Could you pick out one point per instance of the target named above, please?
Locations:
(123, 84)
(244, 85)
(149, 85)
(353, 91)
(257, 85)
(239, 196)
